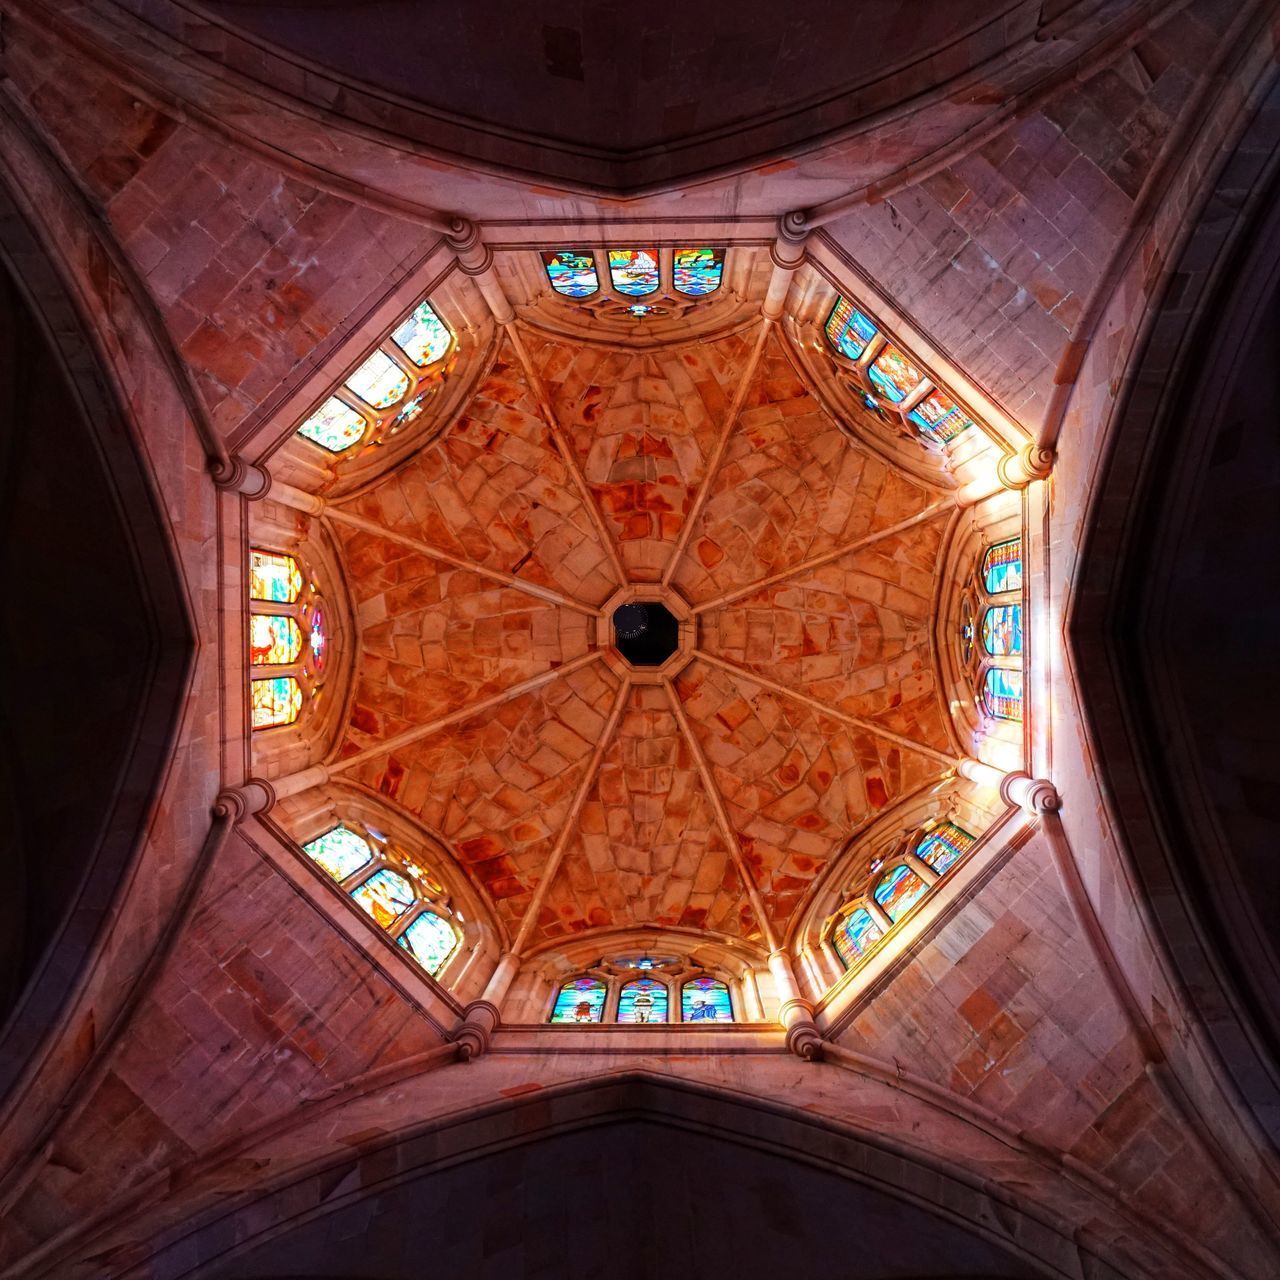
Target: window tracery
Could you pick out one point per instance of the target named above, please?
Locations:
(895, 885)
(991, 637)
(400, 896)
(643, 991)
(641, 281)
(389, 388)
(887, 378)
(287, 639)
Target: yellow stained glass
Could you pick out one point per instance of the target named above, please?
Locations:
(273, 640)
(379, 381)
(334, 426)
(273, 576)
(275, 702)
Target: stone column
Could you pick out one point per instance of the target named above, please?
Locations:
(751, 1005)
(481, 1016)
(786, 253)
(795, 1012)
(1013, 471)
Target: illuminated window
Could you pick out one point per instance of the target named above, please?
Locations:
(644, 1000)
(1002, 630)
(697, 271)
(705, 1000)
(856, 934)
(580, 1000)
(386, 882)
(1002, 693)
(899, 890)
(1002, 567)
(572, 272)
(944, 846)
(893, 374)
(995, 665)
(286, 634)
(389, 389)
(634, 272)
(848, 330)
(939, 418)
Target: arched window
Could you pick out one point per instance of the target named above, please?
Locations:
(888, 380)
(634, 272)
(944, 846)
(705, 1000)
(1002, 693)
(856, 934)
(643, 1000)
(389, 388)
(287, 641)
(572, 272)
(386, 882)
(697, 272)
(1002, 567)
(1002, 630)
(899, 890)
(580, 1000)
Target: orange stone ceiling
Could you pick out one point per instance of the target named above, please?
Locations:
(809, 703)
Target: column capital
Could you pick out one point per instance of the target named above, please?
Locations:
(239, 476)
(1036, 796)
(1032, 462)
(254, 795)
(473, 1033)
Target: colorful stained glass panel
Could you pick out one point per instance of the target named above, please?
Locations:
(385, 895)
(1002, 630)
(1002, 567)
(318, 639)
(273, 640)
(379, 381)
(275, 702)
(643, 1000)
(705, 1000)
(899, 891)
(1002, 693)
(697, 271)
(856, 934)
(939, 418)
(634, 272)
(572, 272)
(423, 336)
(341, 852)
(430, 940)
(334, 426)
(893, 374)
(848, 330)
(944, 846)
(580, 1000)
(273, 576)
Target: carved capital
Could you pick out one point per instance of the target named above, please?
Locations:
(1035, 796)
(473, 1033)
(239, 476)
(1017, 470)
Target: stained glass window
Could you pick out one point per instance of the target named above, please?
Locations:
(643, 1000)
(273, 640)
(705, 1000)
(572, 272)
(939, 418)
(856, 934)
(899, 890)
(1002, 692)
(698, 271)
(848, 330)
(580, 1000)
(274, 577)
(634, 271)
(430, 940)
(944, 846)
(334, 425)
(340, 852)
(379, 381)
(1002, 630)
(275, 702)
(318, 639)
(423, 336)
(385, 895)
(894, 374)
(1002, 566)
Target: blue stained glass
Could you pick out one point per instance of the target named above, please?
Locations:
(634, 271)
(643, 1000)
(430, 940)
(894, 374)
(939, 418)
(334, 426)
(856, 934)
(339, 852)
(899, 891)
(705, 1000)
(848, 330)
(580, 1000)
(1002, 693)
(1002, 630)
(944, 846)
(572, 272)
(698, 271)
(423, 336)
(385, 895)
(1002, 566)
